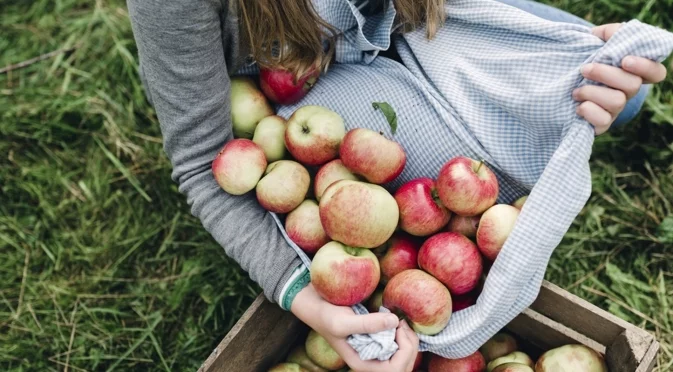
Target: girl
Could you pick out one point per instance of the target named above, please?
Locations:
(189, 49)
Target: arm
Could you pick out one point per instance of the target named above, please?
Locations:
(180, 45)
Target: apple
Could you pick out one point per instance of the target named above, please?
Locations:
(499, 345)
(283, 87)
(322, 353)
(466, 186)
(238, 166)
(515, 357)
(418, 361)
(518, 203)
(453, 259)
(421, 213)
(248, 106)
(422, 299)
(371, 155)
(358, 214)
(314, 134)
(569, 358)
(399, 253)
(464, 225)
(288, 367)
(298, 356)
(270, 136)
(303, 227)
(466, 300)
(495, 226)
(514, 367)
(375, 301)
(472, 363)
(344, 275)
(329, 173)
(283, 186)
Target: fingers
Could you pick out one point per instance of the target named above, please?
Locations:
(613, 77)
(650, 71)
(596, 115)
(407, 340)
(605, 32)
(612, 100)
(369, 323)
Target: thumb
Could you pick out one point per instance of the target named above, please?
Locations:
(605, 32)
(368, 323)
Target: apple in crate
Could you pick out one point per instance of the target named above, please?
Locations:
(344, 275)
(270, 136)
(372, 156)
(422, 299)
(399, 253)
(515, 357)
(314, 134)
(322, 353)
(518, 203)
(513, 367)
(287, 367)
(358, 214)
(303, 227)
(329, 173)
(464, 225)
(283, 187)
(571, 358)
(499, 345)
(238, 166)
(494, 228)
(471, 363)
(467, 187)
(466, 300)
(421, 212)
(248, 106)
(284, 87)
(453, 259)
(298, 355)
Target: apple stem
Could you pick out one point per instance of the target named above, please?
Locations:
(479, 166)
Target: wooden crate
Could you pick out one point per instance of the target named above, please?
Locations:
(265, 333)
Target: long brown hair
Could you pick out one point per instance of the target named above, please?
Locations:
(289, 33)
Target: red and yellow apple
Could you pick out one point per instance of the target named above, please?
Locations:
(518, 203)
(513, 367)
(287, 367)
(495, 226)
(467, 187)
(344, 275)
(464, 225)
(499, 345)
(298, 355)
(248, 106)
(466, 300)
(314, 134)
(322, 353)
(421, 299)
(329, 173)
(239, 166)
(453, 259)
(270, 136)
(372, 156)
(421, 213)
(471, 363)
(303, 227)
(516, 357)
(399, 253)
(571, 358)
(284, 87)
(283, 187)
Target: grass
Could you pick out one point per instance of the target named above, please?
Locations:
(104, 268)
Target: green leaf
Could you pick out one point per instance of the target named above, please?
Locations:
(665, 230)
(389, 113)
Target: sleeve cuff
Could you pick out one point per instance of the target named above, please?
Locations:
(298, 280)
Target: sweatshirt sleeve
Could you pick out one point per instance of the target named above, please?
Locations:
(183, 67)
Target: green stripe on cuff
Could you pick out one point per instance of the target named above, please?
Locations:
(299, 279)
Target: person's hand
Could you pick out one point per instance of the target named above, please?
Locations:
(336, 323)
(601, 105)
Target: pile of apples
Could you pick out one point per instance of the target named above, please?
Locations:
(499, 354)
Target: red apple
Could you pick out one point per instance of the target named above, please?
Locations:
(248, 106)
(287, 367)
(453, 259)
(298, 355)
(518, 203)
(466, 300)
(398, 254)
(304, 228)
(422, 299)
(499, 345)
(494, 227)
(515, 357)
(514, 367)
(466, 186)
(314, 134)
(283, 187)
(329, 173)
(238, 166)
(283, 87)
(322, 353)
(358, 214)
(344, 275)
(418, 361)
(371, 155)
(421, 213)
(571, 358)
(270, 136)
(472, 363)
(464, 225)
(375, 301)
